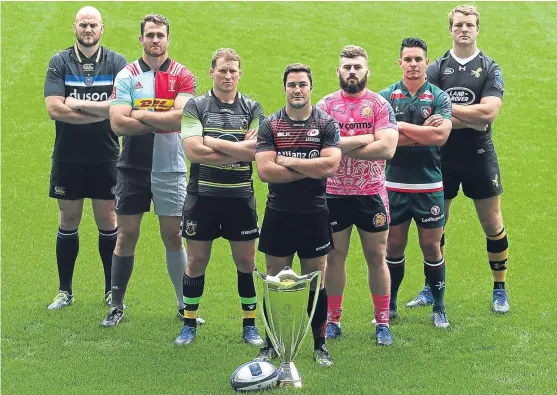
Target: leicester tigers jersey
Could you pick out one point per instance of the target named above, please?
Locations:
(206, 115)
(466, 84)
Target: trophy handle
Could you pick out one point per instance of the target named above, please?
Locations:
(259, 279)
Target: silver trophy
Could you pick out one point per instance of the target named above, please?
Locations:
(286, 318)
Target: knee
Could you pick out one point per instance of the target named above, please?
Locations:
(376, 256)
(431, 250)
(197, 263)
(127, 239)
(337, 257)
(493, 226)
(395, 247)
(69, 220)
(245, 264)
(172, 240)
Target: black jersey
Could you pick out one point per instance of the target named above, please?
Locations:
(72, 74)
(206, 115)
(300, 139)
(466, 84)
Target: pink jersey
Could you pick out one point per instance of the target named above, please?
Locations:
(356, 116)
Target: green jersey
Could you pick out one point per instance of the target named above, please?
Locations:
(416, 169)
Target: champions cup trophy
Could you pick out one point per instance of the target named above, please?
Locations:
(286, 317)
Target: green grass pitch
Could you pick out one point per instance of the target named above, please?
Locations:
(67, 352)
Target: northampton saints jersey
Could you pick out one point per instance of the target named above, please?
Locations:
(72, 74)
(466, 84)
(206, 115)
(416, 169)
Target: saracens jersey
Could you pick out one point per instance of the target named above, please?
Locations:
(357, 116)
(467, 84)
(416, 169)
(206, 115)
(300, 139)
(144, 89)
(72, 74)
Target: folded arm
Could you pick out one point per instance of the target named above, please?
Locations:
(124, 125)
(59, 111)
(382, 148)
(242, 150)
(271, 172)
(484, 112)
(164, 120)
(430, 133)
(97, 108)
(350, 143)
(197, 152)
(325, 165)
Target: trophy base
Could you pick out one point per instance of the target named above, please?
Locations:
(288, 376)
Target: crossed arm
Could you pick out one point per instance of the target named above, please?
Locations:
(434, 131)
(476, 116)
(380, 146)
(59, 109)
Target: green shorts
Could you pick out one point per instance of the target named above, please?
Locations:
(427, 209)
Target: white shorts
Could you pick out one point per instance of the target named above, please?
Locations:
(169, 193)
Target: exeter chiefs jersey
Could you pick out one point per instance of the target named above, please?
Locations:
(142, 88)
(416, 169)
(72, 74)
(466, 84)
(206, 115)
(356, 116)
(300, 139)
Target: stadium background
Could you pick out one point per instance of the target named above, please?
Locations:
(66, 352)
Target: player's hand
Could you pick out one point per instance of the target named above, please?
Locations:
(251, 135)
(208, 141)
(73, 103)
(282, 160)
(434, 120)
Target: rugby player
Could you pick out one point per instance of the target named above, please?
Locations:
(78, 85)
(414, 181)
(219, 131)
(297, 149)
(149, 95)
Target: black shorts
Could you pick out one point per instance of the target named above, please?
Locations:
(75, 181)
(369, 213)
(283, 234)
(479, 174)
(133, 191)
(208, 218)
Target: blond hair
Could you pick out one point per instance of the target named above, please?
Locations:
(227, 54)
(465, 10)
(353, 51)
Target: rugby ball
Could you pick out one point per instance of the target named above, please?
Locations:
(254, 376)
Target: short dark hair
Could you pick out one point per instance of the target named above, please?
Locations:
(413, 42)
(228, 54)
(157, 19)
(295, 68)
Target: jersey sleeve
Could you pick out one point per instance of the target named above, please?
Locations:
(191, 123)
(257, 115)
(54, 84)
(386, 94)
(187, 83)
(122, 92)
(120, 62)
(265, 137)
(433, 73)
(443, 105)
(322, 105)
(494, 85)
(331, 134)
(384, 117)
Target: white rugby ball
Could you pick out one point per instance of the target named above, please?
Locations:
(254, 376)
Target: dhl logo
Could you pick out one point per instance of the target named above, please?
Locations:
(156, 104)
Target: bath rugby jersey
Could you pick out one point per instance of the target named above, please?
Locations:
(138, 86)
(72, 74)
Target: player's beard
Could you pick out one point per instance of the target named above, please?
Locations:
(88, 44)
(352, 88)
(298, 105)
(154, 55)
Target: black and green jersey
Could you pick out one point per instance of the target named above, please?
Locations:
(416, 169)
(206, 115)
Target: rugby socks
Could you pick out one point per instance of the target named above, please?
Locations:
(435, 277)
(176, 266)
(498, 253)
(67, 247)
(319, 320)
(246, 290)
(396, 269)
(107, 242)
(381, 308)
(334, 309)
(193, 290)
(122, 267)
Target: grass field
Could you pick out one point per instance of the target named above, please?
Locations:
(67, 352)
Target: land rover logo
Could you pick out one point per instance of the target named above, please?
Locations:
(461, 95)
